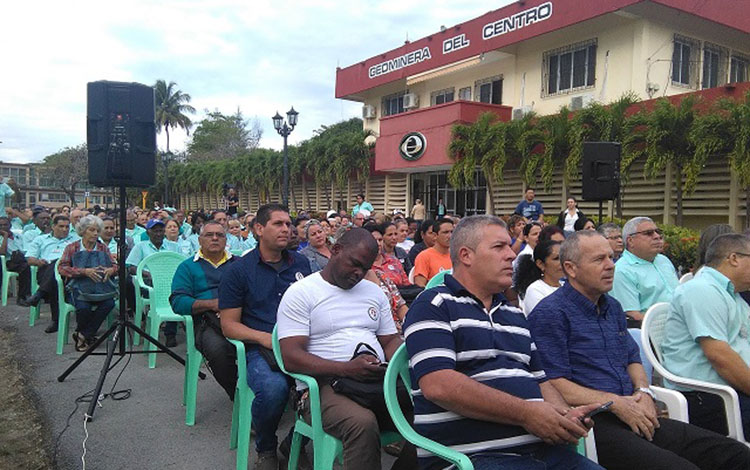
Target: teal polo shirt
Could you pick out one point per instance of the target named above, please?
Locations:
(13, 245)
(145, 248)
(48, 248)
(28, 237)
(135, 233)
(639, 284)
(5, 192)
(705, 307)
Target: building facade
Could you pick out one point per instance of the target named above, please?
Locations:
(36, 188)
(540, 55)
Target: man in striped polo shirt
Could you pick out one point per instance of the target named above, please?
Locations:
(477, 381)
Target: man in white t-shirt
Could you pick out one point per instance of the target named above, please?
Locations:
(321, 320)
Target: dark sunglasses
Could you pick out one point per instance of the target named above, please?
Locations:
(649, 233)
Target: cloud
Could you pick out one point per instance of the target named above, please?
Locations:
(260, 56)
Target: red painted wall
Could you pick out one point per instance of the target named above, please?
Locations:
(435, 123)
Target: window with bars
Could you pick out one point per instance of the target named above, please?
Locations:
(393, 104)
(442, 96)
(714, 66)
(489, 90)
(684, 58)
(570, 68)
(738, 69)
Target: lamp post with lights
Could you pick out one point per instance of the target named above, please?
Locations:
(284, 128)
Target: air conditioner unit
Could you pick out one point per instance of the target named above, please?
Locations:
(519, 113)
(368, 112)
(581, 101)
(411, 101)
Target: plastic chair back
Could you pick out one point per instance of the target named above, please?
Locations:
(438, 279)
(656, 316)
(399, 367)
(7, 276)
(686, 277)
(161, 266)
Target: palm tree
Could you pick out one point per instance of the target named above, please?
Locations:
(544, 146)
(171, 106)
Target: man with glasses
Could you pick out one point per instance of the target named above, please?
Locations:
(195, 292)
(707, 330)
(612, 232)
(643, 276)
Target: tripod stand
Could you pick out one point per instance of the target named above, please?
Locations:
(120, 327)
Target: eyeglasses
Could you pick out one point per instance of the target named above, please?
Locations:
(740, 254)
(649, 233)
(615, 237)
(214, 235)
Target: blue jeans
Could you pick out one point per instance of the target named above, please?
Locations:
(540, 458)
(271, 391)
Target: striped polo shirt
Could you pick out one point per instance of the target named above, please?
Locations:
(449, 328)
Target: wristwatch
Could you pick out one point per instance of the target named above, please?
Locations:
(647, 391)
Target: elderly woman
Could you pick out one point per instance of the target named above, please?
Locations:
(317, 251)
(87, 266)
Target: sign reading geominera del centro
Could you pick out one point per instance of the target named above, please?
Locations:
(410, 58)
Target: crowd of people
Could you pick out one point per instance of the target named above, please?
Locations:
(526, 333)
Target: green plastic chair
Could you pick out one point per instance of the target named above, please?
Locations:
(7, 276)
(141, 303)
(438, 279)
(326, 448)
(399, 367)
(67, 310)
(193, 361)
(33, 311)
(161, 266)
(241, 415)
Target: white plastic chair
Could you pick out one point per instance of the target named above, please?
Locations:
(652, 333)
(686, 277)
(411, 276)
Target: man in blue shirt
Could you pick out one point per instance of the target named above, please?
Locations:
(249, 296)
(530, 208)
(643, 276)
(195, 292)
(44, 252)
(477, 381)
(707, 331)
(588, 355)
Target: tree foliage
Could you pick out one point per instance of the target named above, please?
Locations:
(68, 169)
(219, 136)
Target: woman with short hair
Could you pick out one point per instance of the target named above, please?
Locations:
(87, 267)
(317, 251)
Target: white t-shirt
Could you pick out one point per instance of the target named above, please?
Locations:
(570, 221)
(535, 293)
(527, 250)
(406, 245)
(335, 320)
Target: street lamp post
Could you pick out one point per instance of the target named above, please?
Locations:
(284, 128)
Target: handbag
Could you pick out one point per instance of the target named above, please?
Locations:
(16, 262)
(368, 394)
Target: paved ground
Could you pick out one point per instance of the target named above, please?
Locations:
(146, 431)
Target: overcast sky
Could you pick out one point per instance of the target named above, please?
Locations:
(258, 55)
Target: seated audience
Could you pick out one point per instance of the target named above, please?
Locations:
(11, 247)
(249, 295)
(322, 322)
(538, 276)
(385, 265)
(43, 252)
(585, 349)
(568, 217)
(171, 230)
(390, 244)
(404, 242)
(479, 386)
(195, 292)
(239, 241)
(643, 276)
(317, 251)
(708, 235)
(706, 332)
(612, 232)
(551, 233)
(86, 266)
(531, 232)
(584, 223)
(436, 259)
(516, 224)
(425, 239)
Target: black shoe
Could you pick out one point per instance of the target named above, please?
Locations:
(80, 342)
(34, 300)
(303, 462)
(22, 302)
(51, 328)
(171, 341)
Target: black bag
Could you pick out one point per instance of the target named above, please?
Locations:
(369, 394)
(16, 262)
(268, 356)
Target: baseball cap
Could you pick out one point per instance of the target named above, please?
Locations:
(365, 213)
(153, 223)
(331, 213)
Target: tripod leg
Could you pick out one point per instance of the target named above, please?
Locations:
(118, 336)
(156, 343)
(86, 354)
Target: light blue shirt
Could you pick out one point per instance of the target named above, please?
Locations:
(48, 248)
(5, 191)
(705, 307)
(135, 233)
(13, 245)
(186, 230)
(145, 248)
(189, 245)
(639, 284)
(365, 205)
(237, 244)
(28, 237)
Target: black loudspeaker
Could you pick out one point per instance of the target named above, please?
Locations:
(121, 134)
(601, 171)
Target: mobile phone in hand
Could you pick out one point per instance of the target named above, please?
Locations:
(596, 411)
